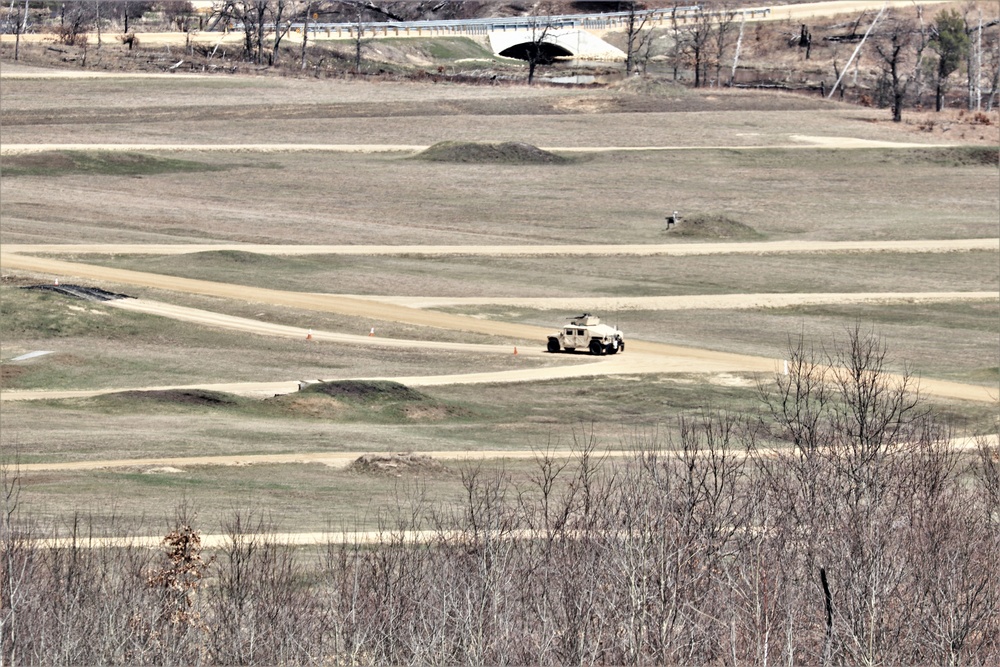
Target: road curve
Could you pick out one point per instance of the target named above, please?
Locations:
(249, 325)
(642, 356)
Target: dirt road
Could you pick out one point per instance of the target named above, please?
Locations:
(335, 460)
(642, 356)
(690, 302)
(638, 250)
(795, 142)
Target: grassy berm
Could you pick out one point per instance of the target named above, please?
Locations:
(508, 152)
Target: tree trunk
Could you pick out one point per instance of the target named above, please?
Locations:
(305, 33)
(357, 52)
(97, 22)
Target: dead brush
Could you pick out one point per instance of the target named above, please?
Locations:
(129, 39)
(981, 118)
(181, 576)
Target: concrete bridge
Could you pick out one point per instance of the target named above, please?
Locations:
(566, 36)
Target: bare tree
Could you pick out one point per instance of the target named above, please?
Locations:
(74, 21)
(724, 25)
(277, 15)
(305, 30)
(638, 37)
(738, 49)
(535, 51)
(97, 22)
(19, 21)
(900, 45)
(991, 66)
(359, 34)
(13, 552)
(694, 39)
(837, 525)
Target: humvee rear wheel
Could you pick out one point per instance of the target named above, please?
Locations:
(596, 347)
(612, 350)
(553, 345)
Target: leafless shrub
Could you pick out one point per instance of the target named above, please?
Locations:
(837, 526)
(74, 22)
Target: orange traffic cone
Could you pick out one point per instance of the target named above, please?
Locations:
(372, 332)
(515, 351)
(309, 336)
(57, 281)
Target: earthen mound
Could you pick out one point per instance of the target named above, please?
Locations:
(510, 152)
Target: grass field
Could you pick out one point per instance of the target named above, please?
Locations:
(816, 194)
(216, 195)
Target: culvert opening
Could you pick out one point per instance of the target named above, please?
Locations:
(543, 53)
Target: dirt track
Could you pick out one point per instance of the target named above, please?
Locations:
(674, 249)
(796, 142)
(642, 357)
(334, 460)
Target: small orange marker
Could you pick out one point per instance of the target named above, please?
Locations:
(372, 332)
(515, 350)
(309, 336)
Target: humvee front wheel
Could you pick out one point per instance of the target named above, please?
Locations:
(596, 347)
(553, 345)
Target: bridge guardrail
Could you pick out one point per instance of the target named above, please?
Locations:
(604, 21)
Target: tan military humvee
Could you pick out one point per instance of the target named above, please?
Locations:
(586, 332)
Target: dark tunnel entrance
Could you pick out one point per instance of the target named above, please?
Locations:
(546, 53)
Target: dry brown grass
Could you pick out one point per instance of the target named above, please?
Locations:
(343, 198)
(617, 197)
